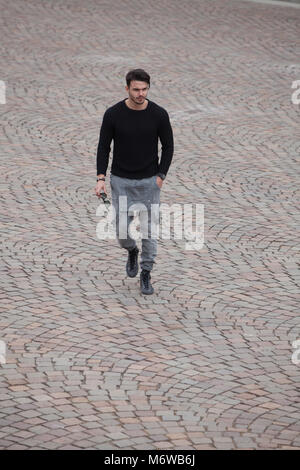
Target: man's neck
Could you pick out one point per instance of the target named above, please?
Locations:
(135, 107)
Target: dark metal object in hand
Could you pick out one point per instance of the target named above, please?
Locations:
(104, 198)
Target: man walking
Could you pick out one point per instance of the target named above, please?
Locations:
(135, 124)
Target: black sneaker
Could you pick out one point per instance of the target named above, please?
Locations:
(145, 283)
(132, 266)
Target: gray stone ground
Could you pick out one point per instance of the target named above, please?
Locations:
(206, 362)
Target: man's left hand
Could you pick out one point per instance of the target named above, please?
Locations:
(159, 181)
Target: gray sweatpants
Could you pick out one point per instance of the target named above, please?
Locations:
(141, 196)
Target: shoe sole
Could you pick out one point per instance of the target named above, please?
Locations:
(147, 293)
(132, 275)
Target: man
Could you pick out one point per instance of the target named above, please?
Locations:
(135, 124)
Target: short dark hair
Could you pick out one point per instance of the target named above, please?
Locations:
(137, 74)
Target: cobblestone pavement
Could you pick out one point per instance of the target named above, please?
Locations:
(208, 361)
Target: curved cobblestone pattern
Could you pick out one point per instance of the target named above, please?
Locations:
(206, 362)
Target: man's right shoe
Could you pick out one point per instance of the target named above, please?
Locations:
(132, 266)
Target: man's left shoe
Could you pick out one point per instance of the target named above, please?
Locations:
(145, 283)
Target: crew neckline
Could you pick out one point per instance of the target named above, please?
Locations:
(136, 110)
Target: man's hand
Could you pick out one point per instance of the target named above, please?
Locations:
(100, 188)
(159, 181)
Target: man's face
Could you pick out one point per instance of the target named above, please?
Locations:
(138, 91)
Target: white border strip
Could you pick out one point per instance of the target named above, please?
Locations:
(273, 2)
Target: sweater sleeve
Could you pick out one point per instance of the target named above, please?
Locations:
(105, 138)
(165, 134)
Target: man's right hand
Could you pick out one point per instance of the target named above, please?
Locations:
(100, 188)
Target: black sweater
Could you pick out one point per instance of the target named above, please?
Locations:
(135, 135)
